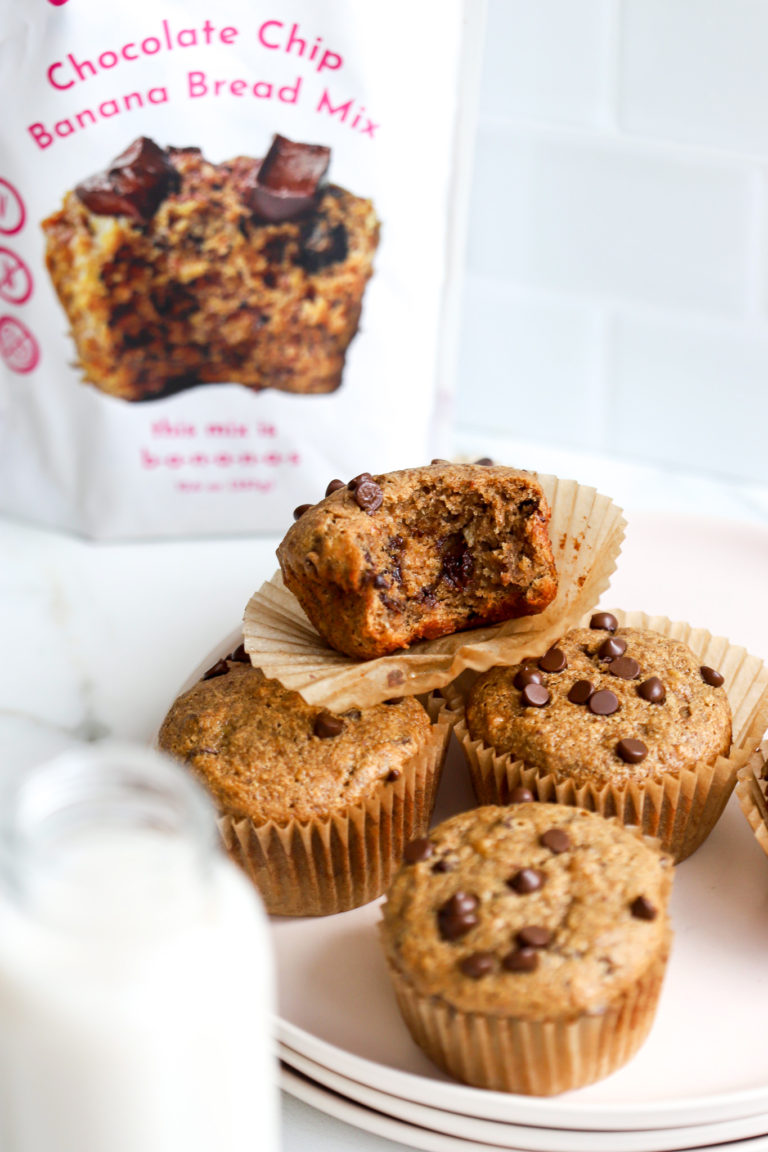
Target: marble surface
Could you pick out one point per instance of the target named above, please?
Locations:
(97, 638)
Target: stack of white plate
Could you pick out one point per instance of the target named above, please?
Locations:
(699, 1081)
(701, 1078)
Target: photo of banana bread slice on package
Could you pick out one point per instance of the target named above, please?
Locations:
(175, 271)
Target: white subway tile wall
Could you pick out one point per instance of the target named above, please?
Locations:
(701, 387)
(520, 343)
(553, 77)
(616, 296)
(694, 71)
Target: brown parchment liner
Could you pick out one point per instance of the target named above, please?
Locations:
(326, 865)
(586, 529)
(681, 810)
(528, 1056)
(751, 795)
(535, 1058)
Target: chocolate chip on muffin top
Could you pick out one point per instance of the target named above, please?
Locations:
(611, 703)
(547, 910)
(264, 753)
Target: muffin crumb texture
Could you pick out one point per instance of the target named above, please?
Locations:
(184, 280)
(425, 552)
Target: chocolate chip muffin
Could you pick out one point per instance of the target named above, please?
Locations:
(527, 944)
(384, 561)
(315, 806)
(175, 271)
(624, 720)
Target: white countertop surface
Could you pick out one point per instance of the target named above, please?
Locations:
(97, 638)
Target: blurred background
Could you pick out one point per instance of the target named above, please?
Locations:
(616, 292)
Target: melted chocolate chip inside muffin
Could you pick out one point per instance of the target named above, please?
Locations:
(419, 554)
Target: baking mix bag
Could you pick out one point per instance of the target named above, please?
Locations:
(229, 239)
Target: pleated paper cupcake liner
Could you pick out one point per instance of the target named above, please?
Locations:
(586, 530)
(326, 865)
(750, 790)
(681, 809)
(532, 1057)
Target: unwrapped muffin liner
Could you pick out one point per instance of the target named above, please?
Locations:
(586, 530)
(750, 790)
(532, 1057)
(326, 865)
(680, 810)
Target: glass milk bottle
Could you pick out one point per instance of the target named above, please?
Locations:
(135, 966)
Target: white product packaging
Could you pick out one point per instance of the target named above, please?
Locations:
(230, 237)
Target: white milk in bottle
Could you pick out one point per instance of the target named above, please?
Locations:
(136, 984)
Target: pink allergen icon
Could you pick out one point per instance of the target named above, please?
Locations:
(15, 278)
(18, 347)
(12, 211)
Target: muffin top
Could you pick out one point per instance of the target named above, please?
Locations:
(605, 704)
(537, 911)
(263, 753)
